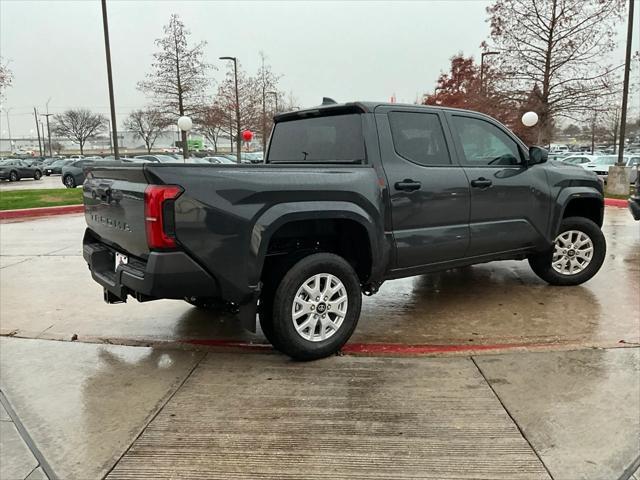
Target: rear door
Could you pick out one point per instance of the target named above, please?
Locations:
(429, 193)
(509, 200)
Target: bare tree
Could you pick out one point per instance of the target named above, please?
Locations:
(147, 124)
(178, 81)
(78, 125)
(250, 102)
(560, 46)
(6, 78)
(212, 123)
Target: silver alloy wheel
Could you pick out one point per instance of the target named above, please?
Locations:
(69, 181)
(319, 307)
(572, 252)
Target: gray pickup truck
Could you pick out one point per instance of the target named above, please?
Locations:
(350, 195)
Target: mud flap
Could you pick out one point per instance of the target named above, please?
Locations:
(247, 316)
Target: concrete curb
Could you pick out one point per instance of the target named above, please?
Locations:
(40, 212)
(616, 202)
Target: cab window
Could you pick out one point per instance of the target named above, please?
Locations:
(484, 144)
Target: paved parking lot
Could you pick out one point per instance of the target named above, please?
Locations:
(53, 181)
(500, 303)
(530, 382)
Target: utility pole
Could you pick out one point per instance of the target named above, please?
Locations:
(48, 130)
(625, 87)
(238, 139)
(9, 129)
(35, 116)
(107, 49)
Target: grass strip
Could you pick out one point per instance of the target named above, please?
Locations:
(14, 199)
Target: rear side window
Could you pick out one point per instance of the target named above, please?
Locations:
(329, 139)
(419, 137)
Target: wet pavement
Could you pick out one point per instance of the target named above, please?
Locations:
(137, 413)
(561, 405)
(47, 292)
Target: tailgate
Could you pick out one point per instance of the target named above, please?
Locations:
(114, 206)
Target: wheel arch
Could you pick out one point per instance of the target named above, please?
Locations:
(573, 202)
(285, 219)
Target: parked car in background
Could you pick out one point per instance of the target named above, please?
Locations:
(55, 168)
(600, 165)
(577, 159)
(73, 174)
(253, 157)
(14, 170)
(158, 158)
(219, 160)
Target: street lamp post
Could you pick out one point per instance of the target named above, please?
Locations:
(625, 87)
(482, 55)
(35, 116)
(235, 74)
(185, 124)
(112, 105)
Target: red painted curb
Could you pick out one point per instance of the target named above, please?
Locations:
(381, 348)
(40, 212)
(616, 202)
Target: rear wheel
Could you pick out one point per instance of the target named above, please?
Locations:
(315, 308)
(69, 181)
(13, 176)
(37, 175)
(577, 255)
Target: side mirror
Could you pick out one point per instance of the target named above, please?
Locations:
(537, 155)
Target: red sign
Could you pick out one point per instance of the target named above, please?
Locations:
(247, 135)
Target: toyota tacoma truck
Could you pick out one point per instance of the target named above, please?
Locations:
(350, 195)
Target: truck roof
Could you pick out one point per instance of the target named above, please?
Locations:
(354, 107)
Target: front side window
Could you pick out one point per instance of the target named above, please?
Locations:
(485, 144)
(328, 139)
(418, 137)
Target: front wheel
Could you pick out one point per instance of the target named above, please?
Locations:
(577, 255)
(316, 307)
(37, 175)
(69, 181)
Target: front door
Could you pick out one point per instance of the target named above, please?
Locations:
(509, 200)
(429, 192)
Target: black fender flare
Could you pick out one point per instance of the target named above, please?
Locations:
(278, 215)
(565, 196)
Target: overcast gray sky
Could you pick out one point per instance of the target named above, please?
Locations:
(345, 50)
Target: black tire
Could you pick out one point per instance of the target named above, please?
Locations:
(69, 181)
(541, 263)
(280, 324)
(37, 175)
(13, 176)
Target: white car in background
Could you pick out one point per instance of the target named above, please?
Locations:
(578, 159)
(600, 165)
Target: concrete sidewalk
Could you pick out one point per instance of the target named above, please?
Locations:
(136, 412)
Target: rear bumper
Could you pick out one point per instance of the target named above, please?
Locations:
(164, 275)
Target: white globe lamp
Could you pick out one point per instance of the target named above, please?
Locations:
(529, 119)
(185, 124)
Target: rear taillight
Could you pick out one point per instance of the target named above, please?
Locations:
(159, 215)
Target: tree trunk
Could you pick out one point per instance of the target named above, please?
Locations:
(81, 148)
